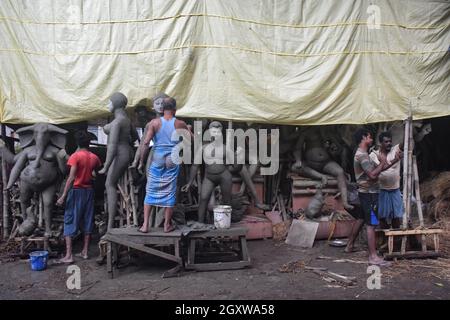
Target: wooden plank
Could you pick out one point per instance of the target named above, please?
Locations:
(143, 248)
(313, 191)
(412, 232)
(311, 183)
(145, 240)
(218, 266)
(153, 232)
(413, 255)
(232, 232)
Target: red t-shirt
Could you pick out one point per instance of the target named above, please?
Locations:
(86, 162)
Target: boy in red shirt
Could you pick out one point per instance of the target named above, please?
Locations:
(80, 196)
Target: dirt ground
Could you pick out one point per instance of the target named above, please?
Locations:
(141, 279)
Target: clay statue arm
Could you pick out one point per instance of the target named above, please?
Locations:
(69, 183)
(7, 155)
(137, 156)
(20, 162)
(299, 151)
(193, 170)
(143, 147)
(61, 159)
(112, 146)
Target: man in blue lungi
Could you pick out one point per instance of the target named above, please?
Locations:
(163, 172)
(390, 202)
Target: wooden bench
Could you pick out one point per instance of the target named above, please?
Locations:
(231, 234)
(391, 234)
(150, 243)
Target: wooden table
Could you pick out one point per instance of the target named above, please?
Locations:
(145, 242)
(234, 234)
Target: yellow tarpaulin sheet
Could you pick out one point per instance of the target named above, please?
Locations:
(276, 61)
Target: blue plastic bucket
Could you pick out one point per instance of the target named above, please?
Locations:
(38, 260)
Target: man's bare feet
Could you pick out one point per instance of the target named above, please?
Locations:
(143, 230)
(169, 228)
(379, 262)
(66, 260)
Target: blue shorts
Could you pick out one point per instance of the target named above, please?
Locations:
(79, 213)
(390, 204)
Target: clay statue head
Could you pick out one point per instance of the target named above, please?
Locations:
(42, 134)
(215, 129)
(158, 102)
(117, 101)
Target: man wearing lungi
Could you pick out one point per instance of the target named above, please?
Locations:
(366, 174)
(163, 172)
(79, 212)
(390, 203)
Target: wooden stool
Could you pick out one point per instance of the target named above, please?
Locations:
(220, 235)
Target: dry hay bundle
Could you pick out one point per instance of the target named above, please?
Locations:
(440, 207)
(436, 187)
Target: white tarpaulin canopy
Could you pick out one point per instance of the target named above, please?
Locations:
(277, 61)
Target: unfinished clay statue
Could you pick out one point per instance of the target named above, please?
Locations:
(315, 206)
(39, 165)
(312, 159)
(119, 151)
(215, 155)
(144, 117)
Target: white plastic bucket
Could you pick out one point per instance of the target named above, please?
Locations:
(222, 217)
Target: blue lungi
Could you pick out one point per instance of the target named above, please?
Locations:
(390, 204)
(79, 213)
(162, 177)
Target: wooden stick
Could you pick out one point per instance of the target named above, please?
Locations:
(313, 191)
(5, 192)
(133, 200)
(311, 183)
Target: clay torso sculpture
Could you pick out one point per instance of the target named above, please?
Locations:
(119, 151)
(313, 161)
(38, 166)
(215, 155)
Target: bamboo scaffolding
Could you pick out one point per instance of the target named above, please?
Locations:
(5, 193)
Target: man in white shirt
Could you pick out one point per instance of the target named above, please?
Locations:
(390, 202)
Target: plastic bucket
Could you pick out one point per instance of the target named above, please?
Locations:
(38, 260)
(222, 217)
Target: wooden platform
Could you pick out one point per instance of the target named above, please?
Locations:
(233, 234)
(145, 242)
(152, 242)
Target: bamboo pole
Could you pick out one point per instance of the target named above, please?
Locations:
(407, 179)
(405, 173)
(419, 202)
(5, 192)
